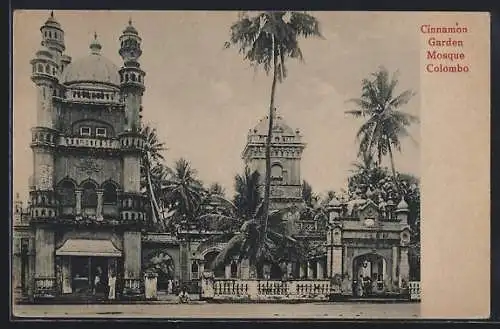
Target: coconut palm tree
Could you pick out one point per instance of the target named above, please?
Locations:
(385, 124)
(276, 247)
(153, 170)
(183, 191)
(267, 39)
(247, 198)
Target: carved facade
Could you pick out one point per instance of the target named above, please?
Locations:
(85, 202)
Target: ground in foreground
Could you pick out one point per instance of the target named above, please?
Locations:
(234, 311)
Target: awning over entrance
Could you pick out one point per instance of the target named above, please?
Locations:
(87, 247)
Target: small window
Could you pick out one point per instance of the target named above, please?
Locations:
(100, 132)
(85, 131)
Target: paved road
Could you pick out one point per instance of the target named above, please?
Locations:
(316, 310)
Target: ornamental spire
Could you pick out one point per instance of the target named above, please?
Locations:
(95, 46)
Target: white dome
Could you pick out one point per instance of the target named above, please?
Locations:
(402, 205)
(93, 68)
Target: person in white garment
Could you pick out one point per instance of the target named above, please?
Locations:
(97, 280)
(170, 287)
(112, 285)
(183, 295)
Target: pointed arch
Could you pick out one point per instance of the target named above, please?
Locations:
(66, 192)
(110, 192)
(89, 193)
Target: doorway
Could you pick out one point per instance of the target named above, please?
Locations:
(87, 277)
(369, 274)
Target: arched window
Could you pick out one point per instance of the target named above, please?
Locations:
(110, 196)
(89, 195)
(66, 194)
(276, 171)
(40, 67)
(47, 69)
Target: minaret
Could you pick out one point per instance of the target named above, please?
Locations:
(45, 72)
(131, 76)
(53, 38)
(132, 89)
(132, 143)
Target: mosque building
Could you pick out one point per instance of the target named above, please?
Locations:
(86, 210)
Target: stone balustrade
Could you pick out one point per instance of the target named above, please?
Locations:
(105, 143)
(228, 289)
(45, 287)
(414, 287)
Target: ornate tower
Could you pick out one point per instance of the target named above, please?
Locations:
(53, 37)
(286, 153)
(45, 75)
(132, 89)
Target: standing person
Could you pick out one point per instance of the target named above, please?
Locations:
(97, 280)
(112, 285)
(169, 287)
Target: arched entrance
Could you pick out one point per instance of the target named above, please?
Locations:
(369, 275)
(208, 259)
(160, 262)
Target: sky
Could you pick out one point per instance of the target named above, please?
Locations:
(203, 98)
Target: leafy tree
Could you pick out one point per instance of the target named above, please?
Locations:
(267, 40)
(385, 124)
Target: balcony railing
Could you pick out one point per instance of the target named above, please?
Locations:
(267, 289)
(105, 143)
(414, 290)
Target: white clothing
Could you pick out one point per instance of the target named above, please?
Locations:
(169, 287)
(111, 284)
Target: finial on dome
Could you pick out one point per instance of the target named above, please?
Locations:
(130, 21)
(95, 46)
(51, 14)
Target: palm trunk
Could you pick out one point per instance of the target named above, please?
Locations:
(267, 188)
(155, 208)
(393, 168)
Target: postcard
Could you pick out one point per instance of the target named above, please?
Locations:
(275, 165)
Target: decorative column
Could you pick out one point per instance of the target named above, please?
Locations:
(394, 276)
(310, 272)
(44, 260)
(245, 269)
(289, 269)
(319, 269)
(100, 194)
(404, 268)
(302, 271)
(336, 261)
(227, 273)
(78, 196)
